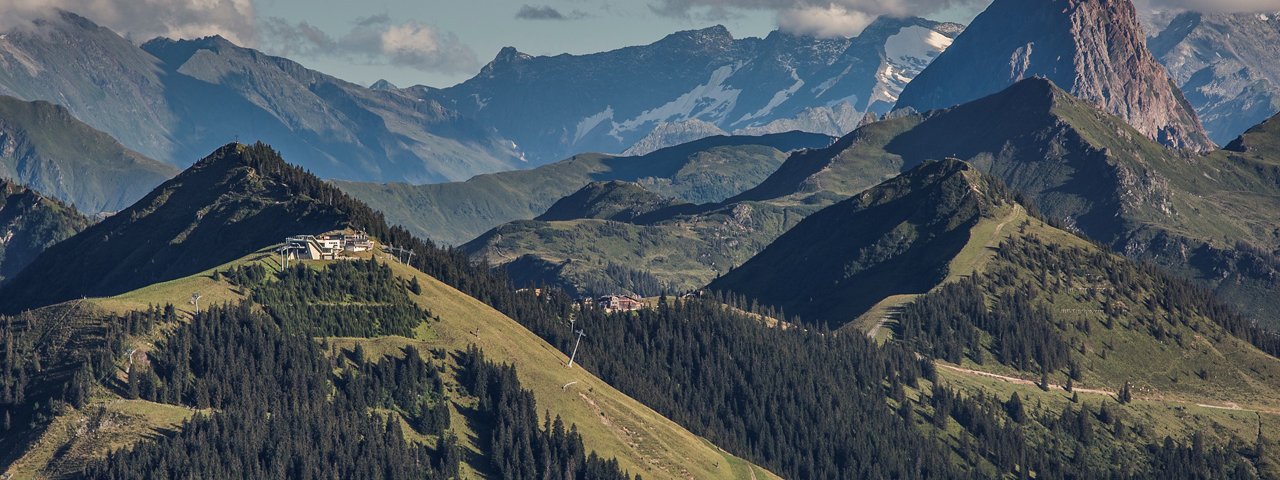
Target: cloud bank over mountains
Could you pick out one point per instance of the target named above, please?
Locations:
(829, 18)
(146, 19)
(821, 18)
(385, 40)
(1221, 6)
(375, 40)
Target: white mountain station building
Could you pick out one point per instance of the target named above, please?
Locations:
(329, 246)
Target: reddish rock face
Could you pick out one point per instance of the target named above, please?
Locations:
(1095, 49)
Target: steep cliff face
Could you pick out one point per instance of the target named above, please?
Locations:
(1095, 49)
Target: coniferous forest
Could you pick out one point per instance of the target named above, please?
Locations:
(885, 239)
(809, 403)
(272, 402)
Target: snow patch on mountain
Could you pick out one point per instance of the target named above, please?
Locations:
(671, 134)
(590, 123)
(778, 99)
(915, 46)
(823, 87)
(710, 101)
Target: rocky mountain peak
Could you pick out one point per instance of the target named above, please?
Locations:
(383, 85)
(885, 26)
(1094, 48)
(713, 35)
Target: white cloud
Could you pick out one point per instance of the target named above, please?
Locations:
(374, 40)
(824, 22)
(547, 12)
(847, 17)
(867, 7)
(814, 17)
(145, 19)
(1213, 5)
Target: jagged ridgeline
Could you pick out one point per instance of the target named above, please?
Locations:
(1093, 48)
(237, 200)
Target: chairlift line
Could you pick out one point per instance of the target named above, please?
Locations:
(575, 347)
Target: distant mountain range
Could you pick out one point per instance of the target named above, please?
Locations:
(703, 171)
(553, 107)
(1094, 49)
(44, 147)
(1085, 169)
(176, 100)
(1227, 65)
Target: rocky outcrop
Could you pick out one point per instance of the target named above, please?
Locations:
(1095, 49)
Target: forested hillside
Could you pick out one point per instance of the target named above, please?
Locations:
(1205, 217)
(384, 415)
(1046, 306)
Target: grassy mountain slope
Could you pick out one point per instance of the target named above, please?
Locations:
(894, 239)
(704, 171)
(1117, 322)
(30, 223)
(620, 201)
(1040, 300)
(1206, 216)
(1025, 303)
(43, 146)
(238, 199)
(673, 251)
(611, 423)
